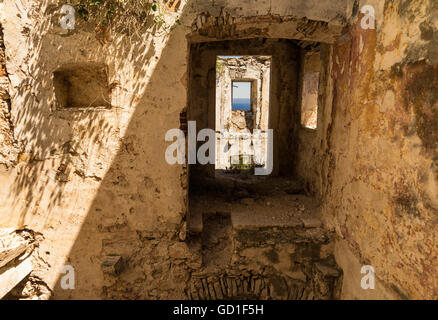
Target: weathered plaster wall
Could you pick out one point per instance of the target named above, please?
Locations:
(8, 150)
(94, 182)
(377, 147)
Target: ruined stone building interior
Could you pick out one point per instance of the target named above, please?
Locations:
(321, 182)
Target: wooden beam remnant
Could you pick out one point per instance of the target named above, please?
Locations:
(10, 277)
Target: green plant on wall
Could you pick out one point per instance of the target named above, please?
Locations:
(129, 13)
(241, 162)
(219, 67)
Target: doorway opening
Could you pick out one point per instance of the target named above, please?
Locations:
(242, 113)
(243, 89)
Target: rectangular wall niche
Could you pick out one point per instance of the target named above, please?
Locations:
(310, 89)
(82, 86)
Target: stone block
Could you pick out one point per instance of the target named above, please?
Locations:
(112, 265)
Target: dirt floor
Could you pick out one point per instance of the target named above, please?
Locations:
(252, 201)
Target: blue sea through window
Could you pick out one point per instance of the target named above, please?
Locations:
(241, 96)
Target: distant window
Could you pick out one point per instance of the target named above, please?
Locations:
(241, 96)
(309, 100)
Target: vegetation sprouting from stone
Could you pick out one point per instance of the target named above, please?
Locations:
(128, 13)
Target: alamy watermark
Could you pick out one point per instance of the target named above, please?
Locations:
(67, 281)
(368, 280)
(68, 19)
(368, 21)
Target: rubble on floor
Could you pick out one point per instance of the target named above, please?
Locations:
(17, 263)
(262, 239)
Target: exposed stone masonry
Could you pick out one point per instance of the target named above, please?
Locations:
(8, 152)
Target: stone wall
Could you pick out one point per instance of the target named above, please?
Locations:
(294, 263)
(376, 146)
(8, 150)
(78, 176)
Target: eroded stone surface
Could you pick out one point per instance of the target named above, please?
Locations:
(95, 184)
(377, 148)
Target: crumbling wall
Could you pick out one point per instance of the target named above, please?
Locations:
(93, 180)
(302, 20)
(378, 151)
(249, 252)
(8, 150)
(271, 263)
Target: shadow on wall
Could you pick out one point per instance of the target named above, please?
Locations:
(74, 155)
(140, 205)
(67, 138)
